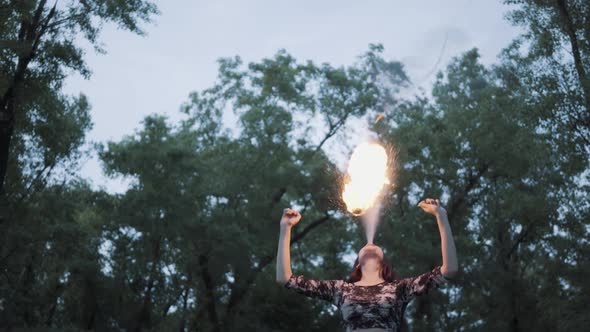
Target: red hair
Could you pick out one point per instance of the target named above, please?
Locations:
(387, 273)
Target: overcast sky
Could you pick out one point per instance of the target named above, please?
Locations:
(154, 74)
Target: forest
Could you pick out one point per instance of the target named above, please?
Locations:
(191, 245)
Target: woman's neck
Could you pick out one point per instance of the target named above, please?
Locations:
(370, 277)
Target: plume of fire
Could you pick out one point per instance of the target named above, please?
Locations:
(367, 174)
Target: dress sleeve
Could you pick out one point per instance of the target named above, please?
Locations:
(419, 285)
(327, 290)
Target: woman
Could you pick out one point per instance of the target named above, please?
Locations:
(372, 299)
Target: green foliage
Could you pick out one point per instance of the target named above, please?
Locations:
(190, 245)
(206, 203)
(549, 66)
(478, 146)
(40, 127)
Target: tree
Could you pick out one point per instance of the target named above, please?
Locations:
(551, 62)
(50, 259)
(38, 50)
(190, 244)
(49, 239)
(204, 203)
(477, 145)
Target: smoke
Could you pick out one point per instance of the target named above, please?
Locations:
(370, 220)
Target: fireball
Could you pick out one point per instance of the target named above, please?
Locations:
(366, 177)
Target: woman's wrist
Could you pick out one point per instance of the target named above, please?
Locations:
(443, 222)
(440, 214)
(285, 228)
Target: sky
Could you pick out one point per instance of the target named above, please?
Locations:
(143, 75)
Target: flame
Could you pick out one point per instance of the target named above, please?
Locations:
(367, 172)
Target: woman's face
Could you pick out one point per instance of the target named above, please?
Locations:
(370, 255)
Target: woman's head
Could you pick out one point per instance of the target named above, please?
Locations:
(370, 258)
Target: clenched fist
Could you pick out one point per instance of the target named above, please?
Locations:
(432, 206)
(290, 218)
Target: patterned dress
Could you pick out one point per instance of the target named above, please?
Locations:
(376, 306)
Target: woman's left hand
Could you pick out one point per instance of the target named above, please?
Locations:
(432, 206)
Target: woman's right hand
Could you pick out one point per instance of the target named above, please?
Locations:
(290, 217)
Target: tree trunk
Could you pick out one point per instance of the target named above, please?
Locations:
(574, 43)
(209, 292)
(30, 34)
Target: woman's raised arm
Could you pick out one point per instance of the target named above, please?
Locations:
(290, 217)
(449, 253)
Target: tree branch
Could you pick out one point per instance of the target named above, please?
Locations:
(209, 294)
(300, 235)
(571, 32)
(8, 103)
(519, 239)
(237, 294)
(458, 200)
(332, 131)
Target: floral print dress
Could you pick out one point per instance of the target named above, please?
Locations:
(376, 306)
